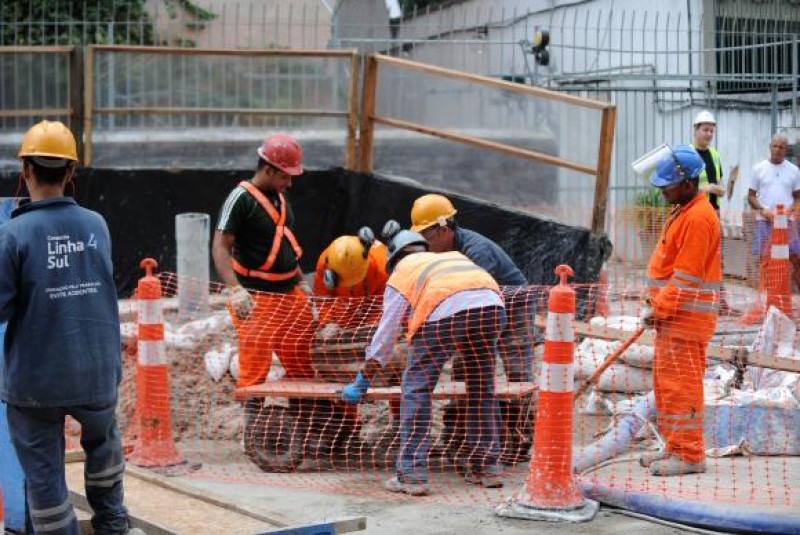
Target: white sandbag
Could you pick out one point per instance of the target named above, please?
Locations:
(775, 398)
(212, 324)
(217, 362)
(234, 365)
(590, 354)
(623, 323)
(757, 378)
(775, 337)
(128, 331)
(628, 379)
(639, 355)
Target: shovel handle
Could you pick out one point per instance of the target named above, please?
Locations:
(609, 361)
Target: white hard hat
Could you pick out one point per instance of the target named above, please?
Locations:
(704, 117)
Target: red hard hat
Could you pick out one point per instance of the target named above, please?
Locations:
(284, 153)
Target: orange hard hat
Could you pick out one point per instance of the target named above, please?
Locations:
(431, 209)
(51, 139)
(284, 153)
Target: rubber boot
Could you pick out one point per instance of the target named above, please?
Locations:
(675, 466)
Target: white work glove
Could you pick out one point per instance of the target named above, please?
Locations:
(241, 301)
(331, 330)
(647, 315)
(304, 287)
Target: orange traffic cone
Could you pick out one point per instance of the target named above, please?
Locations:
(155, 447)
(775, 274)
(551, 493)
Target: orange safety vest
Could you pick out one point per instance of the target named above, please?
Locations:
(685, 273)
(427, 279)
(281, 232)
(374, 282)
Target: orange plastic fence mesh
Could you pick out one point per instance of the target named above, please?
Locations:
(301, 435)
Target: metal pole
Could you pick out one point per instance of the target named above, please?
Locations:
(795, 66)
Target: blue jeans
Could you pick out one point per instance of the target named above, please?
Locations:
(38, 438)
(472, 333)
(516, 340)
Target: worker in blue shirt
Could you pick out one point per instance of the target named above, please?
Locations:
(433, 216)
(62, 347)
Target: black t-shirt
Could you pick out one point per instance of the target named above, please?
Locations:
(254, 232)
(711, 173)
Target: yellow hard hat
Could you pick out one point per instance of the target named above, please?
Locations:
(51, 139)
(429, 210)
(347, 259)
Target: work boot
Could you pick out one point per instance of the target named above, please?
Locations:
(649, 457)
(412, 489)
(675, 466)
(484, 479)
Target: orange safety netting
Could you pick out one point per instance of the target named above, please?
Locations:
(295, 431)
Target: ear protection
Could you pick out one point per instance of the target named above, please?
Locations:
(330, 279)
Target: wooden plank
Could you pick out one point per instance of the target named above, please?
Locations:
(172, 110)
(170, 508)
(88, 104)
(726, 354)
(352, 114)
(274, 518)
(606, 148)
(485, 144)
(288, 388)
(36, 49)
(50, 112)
(367, 133)
(75, 97)
(185, 51)
(491, 82)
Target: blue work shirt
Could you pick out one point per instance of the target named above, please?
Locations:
(396, 308)
(62, 346)
(488, 255)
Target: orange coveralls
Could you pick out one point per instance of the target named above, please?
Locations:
(363, 306)
(684, 280)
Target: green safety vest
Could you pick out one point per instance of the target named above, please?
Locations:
(717, 165)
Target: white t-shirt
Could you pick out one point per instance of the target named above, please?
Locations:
(395, 11)
(775, 183)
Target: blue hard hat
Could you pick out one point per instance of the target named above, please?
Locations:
(681, 164)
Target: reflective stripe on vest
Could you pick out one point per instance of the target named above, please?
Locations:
(281, 231)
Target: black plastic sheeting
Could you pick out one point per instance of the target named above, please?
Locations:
(140, 207)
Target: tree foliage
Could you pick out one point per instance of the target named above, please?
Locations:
(81, 22)
(65, 22)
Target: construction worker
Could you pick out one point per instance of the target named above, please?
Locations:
(351, 267)
(449, 303)
(684, 276)
(256, 255)
(775, 181)
(711, 183)
(433, 216)
(62, 347)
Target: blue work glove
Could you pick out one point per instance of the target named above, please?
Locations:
(355, 391)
